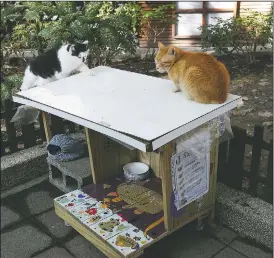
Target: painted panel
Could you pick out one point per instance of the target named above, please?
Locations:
(210, 17)
(188, 24)
(189, 5)
(220, 5)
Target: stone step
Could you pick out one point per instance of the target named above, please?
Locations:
(23, 166)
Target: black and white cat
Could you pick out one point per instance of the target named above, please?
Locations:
(52, 65)
(56, 64)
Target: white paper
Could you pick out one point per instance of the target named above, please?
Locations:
(190, 169)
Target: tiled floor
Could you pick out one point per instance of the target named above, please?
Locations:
(30, 228)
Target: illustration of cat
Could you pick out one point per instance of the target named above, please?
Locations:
(199, 75)
(109, 225)
(124, 241)
(50, 66)
(95, 218)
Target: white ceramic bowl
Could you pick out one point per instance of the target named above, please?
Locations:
(136, 171)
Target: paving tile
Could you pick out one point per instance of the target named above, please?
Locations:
(249, 250)
(224, 234)
(35, 199)
(23, 242)
(54, 225)
(81, 248)
(8, 216)
(229, 253)
(54, 252)
(186, 242)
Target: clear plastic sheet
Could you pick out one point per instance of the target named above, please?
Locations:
(25, 115)
(225, 129)
(219, 128)
(191, 162)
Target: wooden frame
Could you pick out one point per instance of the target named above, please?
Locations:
(103, 246)
(106, 162)
(160, 163)
(204, 11)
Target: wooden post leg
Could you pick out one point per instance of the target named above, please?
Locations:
(48, 133)
(94, 155)
(166, 176)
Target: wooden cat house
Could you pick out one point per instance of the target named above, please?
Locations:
(142, 119)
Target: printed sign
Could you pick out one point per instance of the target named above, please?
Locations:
(190, 169)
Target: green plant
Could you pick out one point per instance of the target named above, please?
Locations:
(153, 24)
(241, 35)
(11, 14)
(9, 85)
(37, 17)
(108, 29)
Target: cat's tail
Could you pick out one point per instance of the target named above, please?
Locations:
(25, 115)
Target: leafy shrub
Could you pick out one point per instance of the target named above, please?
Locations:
(109, 27)
(241, 35)
(153, 24)
(9, 85)
(10, 16)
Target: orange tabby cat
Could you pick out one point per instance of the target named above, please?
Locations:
(199, 75)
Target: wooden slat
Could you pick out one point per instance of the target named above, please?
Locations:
(71, 127)
(29, 137)
(236, 11)
(3, 152)
(263, 7)
(269, 176)
(236, 158)
(222, 162)
(256, 159)
(204, 14)
(204, 10)
(11, 131)
(57, 125)
(42, 129)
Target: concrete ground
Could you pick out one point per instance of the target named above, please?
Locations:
(30, 228)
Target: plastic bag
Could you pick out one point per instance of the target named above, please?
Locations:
(191, 162)
(225, 129)
(25, 115)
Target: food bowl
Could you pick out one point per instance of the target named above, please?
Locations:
(136, 171)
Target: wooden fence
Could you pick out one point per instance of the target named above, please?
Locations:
(231, 170)
(15, 138)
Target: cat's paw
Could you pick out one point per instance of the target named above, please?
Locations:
(175, 90)
(92, 73)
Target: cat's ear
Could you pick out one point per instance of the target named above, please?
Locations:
(72, 48)
(161, 45)
(171, 51)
